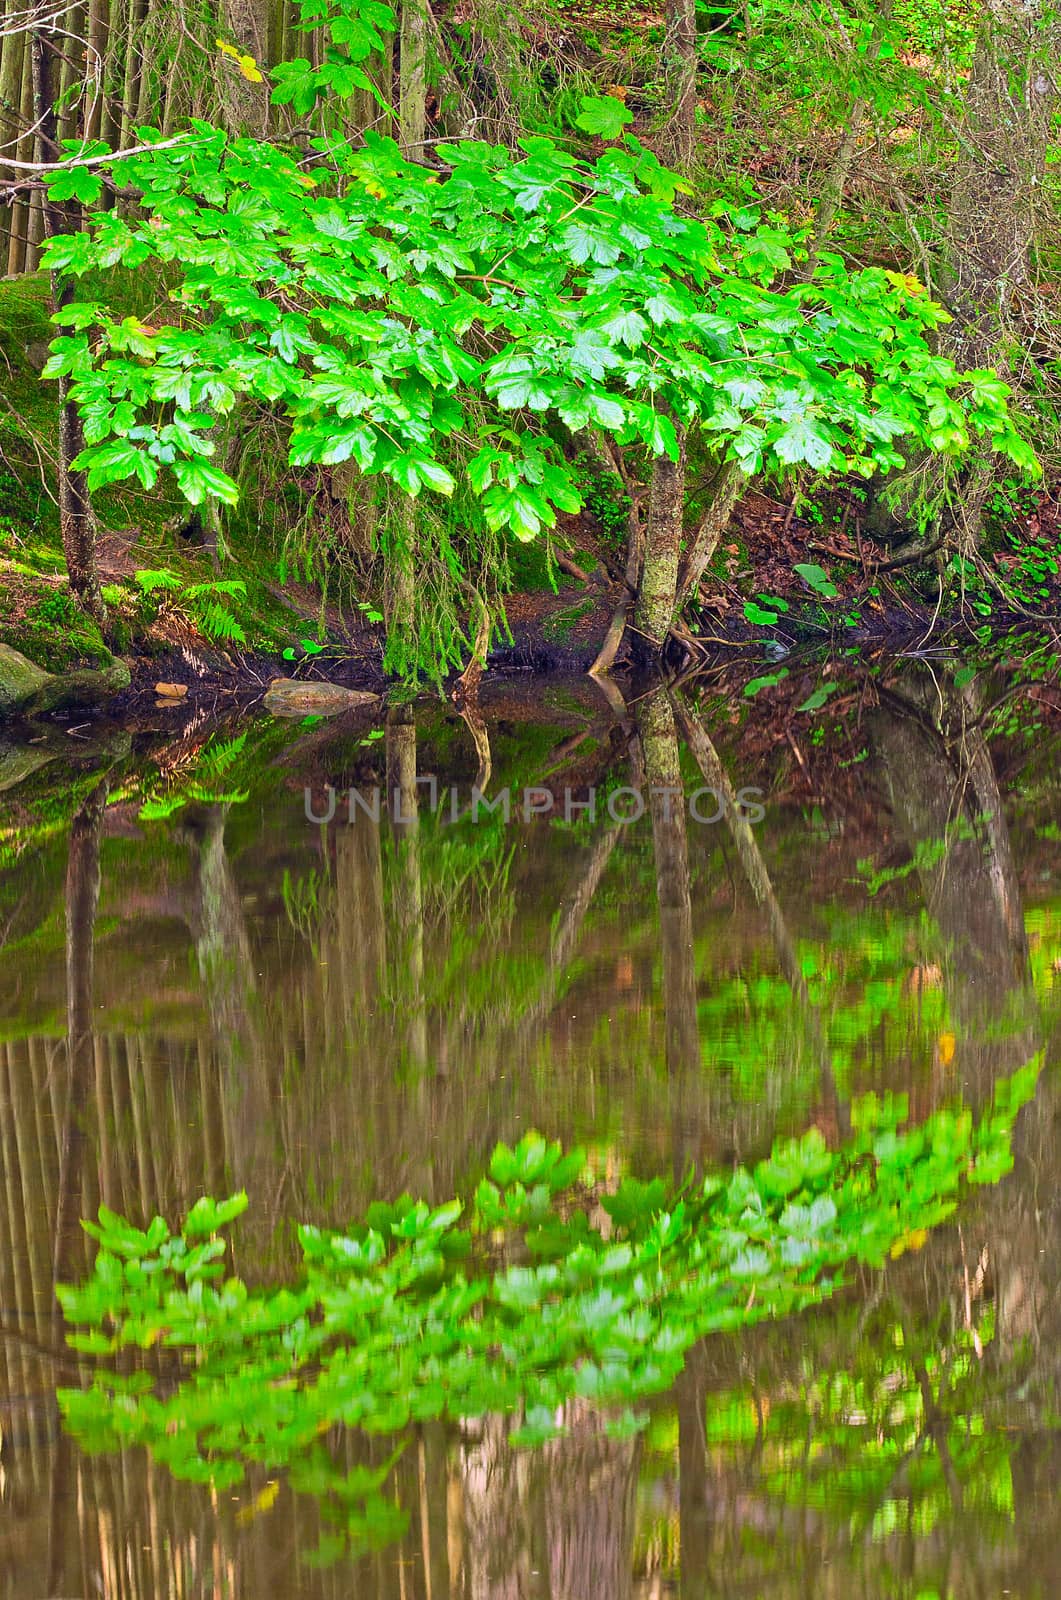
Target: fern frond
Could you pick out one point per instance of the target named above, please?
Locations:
(218, 623)
(230, 586)
(160, 578)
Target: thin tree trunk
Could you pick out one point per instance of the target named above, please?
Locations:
(98, 28)
(72, 75)
(680, 62)
(635, 559)
(75, 508)
(18, 244)
(12, 57)
(995, 205)
(246, 25)
(725, 492)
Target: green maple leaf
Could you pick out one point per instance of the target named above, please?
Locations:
(607, 117)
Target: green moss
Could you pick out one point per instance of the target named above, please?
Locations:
(561, 625)
(25, 314)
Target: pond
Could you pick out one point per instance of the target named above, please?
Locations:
(716, 1028)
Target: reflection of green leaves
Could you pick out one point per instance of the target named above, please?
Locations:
(815, 701)
(769, 681)
(408, 1316)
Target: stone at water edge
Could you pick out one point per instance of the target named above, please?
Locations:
(290, 697)
(26, 690)
(19, 679)
(171, 691)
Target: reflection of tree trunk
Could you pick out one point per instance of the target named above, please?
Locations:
(693, 1487)
(758, 876)
(748, 852)
(590, 1484)
(82, 901)
(1024, 1241)
(495, 1483)
(226, 968)
(434, 1521)
(408, 896)
(566, 935)
(557, 1523)
(659, 746)
(948, 809)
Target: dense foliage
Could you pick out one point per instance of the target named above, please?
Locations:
(383, 315)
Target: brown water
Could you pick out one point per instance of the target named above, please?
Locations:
(325, 1014)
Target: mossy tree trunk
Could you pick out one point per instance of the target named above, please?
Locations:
(657, 595)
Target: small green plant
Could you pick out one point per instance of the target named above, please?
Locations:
(307, 649)
(203, 602)
(604, 497)
(816, 578)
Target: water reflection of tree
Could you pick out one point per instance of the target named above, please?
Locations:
(362, 1013)
(909, 1448)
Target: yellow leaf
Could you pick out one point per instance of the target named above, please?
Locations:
(907, 281)
(306, 181)
(909, 1241)
(249, 68)
(227, 49)
(945, 1046)
(260, 1504)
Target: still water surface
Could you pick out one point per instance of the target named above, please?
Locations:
(327, 1014)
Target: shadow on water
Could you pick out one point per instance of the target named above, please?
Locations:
(203, 991)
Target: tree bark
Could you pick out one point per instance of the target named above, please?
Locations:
(12, 56)
(725, 492)
(657, 597)
(246, 104)
(680, 62)
(412, 80)
(76, 521)
(18, 255)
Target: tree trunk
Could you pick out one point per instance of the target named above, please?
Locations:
(657, 597)
(725, 492)
(246, 104)
(18, 256)
(75, 508)
(680, 62)
(412, 81)
(12, 55)
(995, 202)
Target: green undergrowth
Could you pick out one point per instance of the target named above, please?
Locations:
(235, 607)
